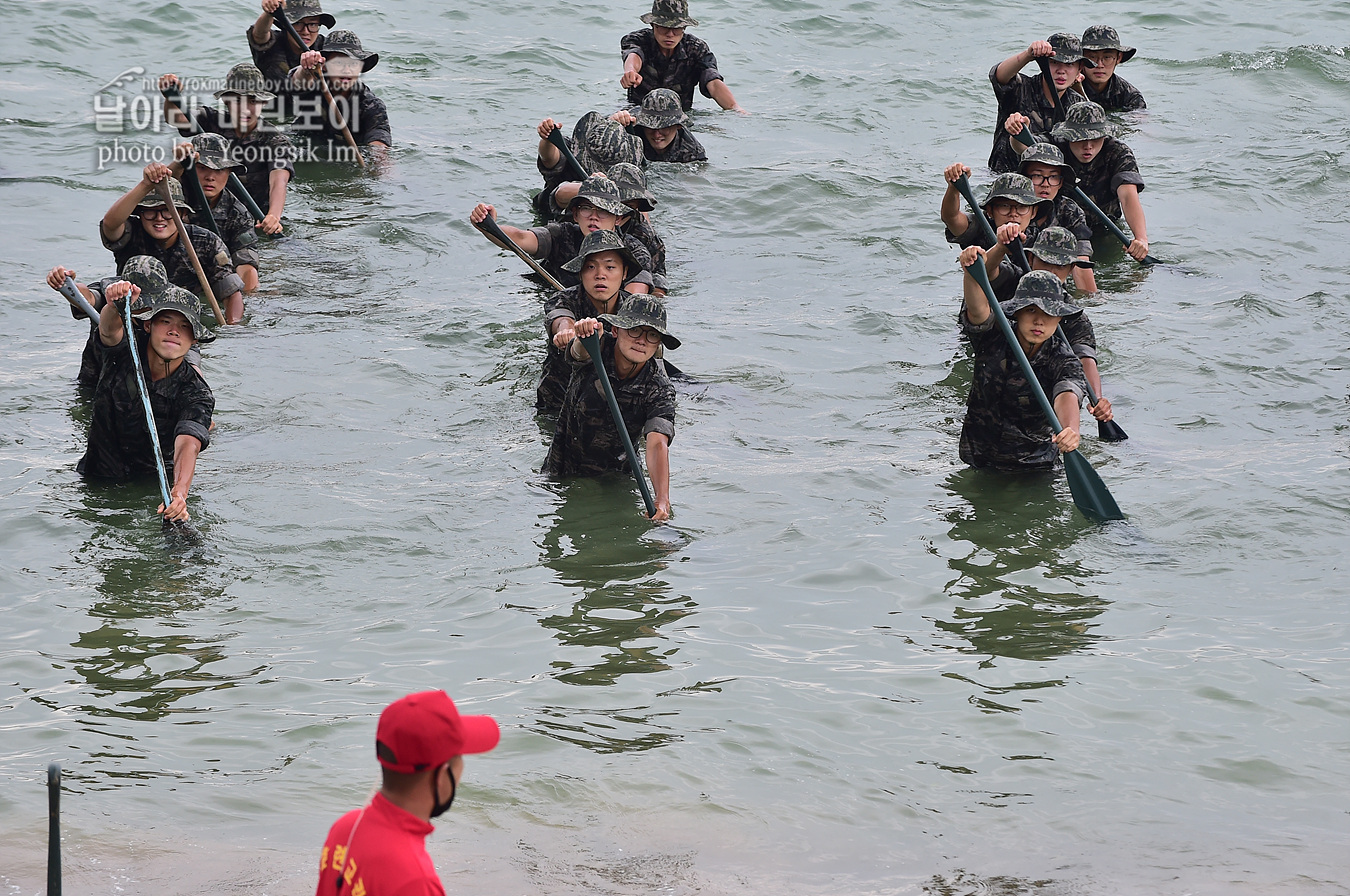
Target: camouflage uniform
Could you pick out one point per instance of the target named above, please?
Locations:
(1025, 94)
(211, 251)
(1005, 429)
(235, 223)
(641, 229)
(264, 150)
(691, 65)
(119, 445)
(1057, 247)
(598, 144)
(585, 441)
(1118, 95)
(362, 111)
(276, 57)
(369, 122)
(571, 303)
(1013, 186)
(1113, 166)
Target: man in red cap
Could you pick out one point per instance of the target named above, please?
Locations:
(380, 850)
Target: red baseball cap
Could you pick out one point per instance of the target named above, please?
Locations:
(424, 730)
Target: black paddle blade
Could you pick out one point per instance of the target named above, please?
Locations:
(1088, 490)
(1110, 431)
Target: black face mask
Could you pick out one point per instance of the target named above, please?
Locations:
(439, 808)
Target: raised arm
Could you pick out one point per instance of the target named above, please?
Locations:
(262, 28)
(525, 239)
(956, 220)
(114, 222)
(976, 303)
(1006, 70)
(110, 329)
(549, 155)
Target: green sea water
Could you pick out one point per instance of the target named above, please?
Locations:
(850, 664)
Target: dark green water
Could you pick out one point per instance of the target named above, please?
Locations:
(852, 664)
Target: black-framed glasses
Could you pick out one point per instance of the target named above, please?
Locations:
(643, 334)
(1052, 179)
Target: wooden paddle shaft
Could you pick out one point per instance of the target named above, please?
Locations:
(490, 227)
(164, 194)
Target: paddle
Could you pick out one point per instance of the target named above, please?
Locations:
(234, 185)
(145, 402)
(556, 138)
(279, 16)
(163, 188)
(489, 227)
(592, 344)
(1087, 488)
(54, 829)
(74, 297)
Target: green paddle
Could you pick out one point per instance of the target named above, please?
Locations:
(592, 344)
(1087, 488)
(54, 828)
(197, 196)
(556, 138)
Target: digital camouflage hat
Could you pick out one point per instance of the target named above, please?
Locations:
(669, 14)
(1055, 245)
(346, 43)
(213, 151)
(308, 9)
(598, 241)
(246, 80)
(1042, 289)
(602, 193)
(1082, 121)
(1104, 37)
(1013, 186)
(661, 109)
(1068, 49)
(600, 143)
(158, 294)
(642, 311)
(632, 184)
(154, 200)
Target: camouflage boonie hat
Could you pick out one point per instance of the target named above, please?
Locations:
(246, 80)
(602, 193)
(600, 143)
(175, 298)
(346, 43)
(146, 272)
(643, 311)
(1068, 49)
(1016, 187)
(632, 184)
(669, 14)
(154, 200)
(1082, 121)
(1046, 153)
(598, 241)
(1104, 37)
(661, 109)
(308, 9)
(213, 151)
(1042, 289)
(1055, 245)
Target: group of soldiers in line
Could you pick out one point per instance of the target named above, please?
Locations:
(192, 227)
(1052, 136)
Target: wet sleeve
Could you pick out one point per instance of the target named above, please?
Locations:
(218, 268)
(661, 409)
(1125, 169)
(196, 406)
(122, 241)
(1082, 336)
(555, 306)
(708, 73)
(283, 155)
(259, 48)
(375, 120)
(633, 43)
(1069, 378)
(545, 237)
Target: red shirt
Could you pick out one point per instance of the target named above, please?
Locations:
(385, 856)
